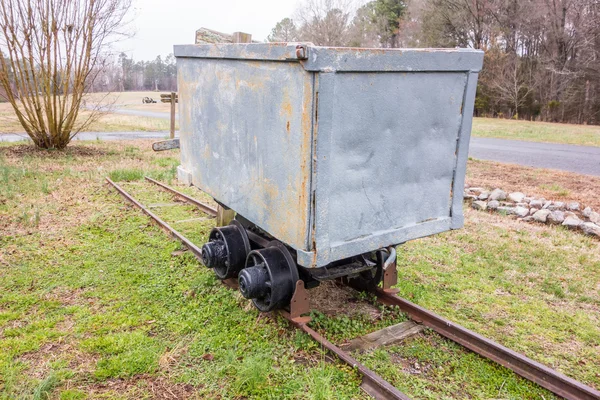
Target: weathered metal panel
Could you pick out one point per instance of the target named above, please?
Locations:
(340, 152)
(392, 155)
(246, 129)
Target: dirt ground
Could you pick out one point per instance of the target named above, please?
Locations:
(536, 182)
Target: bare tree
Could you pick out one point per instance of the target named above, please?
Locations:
(284, 31)
(325, 22)
(510, 84)
(55, 50)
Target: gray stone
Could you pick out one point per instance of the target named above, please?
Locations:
(477, 190)
(594, 217)
(573, 206)
(571, 222)
(557, 205)
(527, 199)
(556, 217)
(497, 194)
(521, 205)
(528, 218)
(516, 197)
(470, 197)
(541, 215)
(546, 204)
(479, 205)
(570, 214)
(586, 212)
(536, 203)
(521, 211)
(506, 210)
(493, 204)
(484, 195)
(590, 229)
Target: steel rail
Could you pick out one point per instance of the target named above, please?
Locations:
(372, 383)
(532, 370)
(206, 208)
(191, 246)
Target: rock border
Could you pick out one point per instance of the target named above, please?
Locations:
(531, 209)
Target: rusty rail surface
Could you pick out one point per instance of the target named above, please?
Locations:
(191, 246)
(375, 385)
(372, 383)
(206, 208)
(532, 370)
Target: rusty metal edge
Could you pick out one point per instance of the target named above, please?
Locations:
(544, 376)
(191, 246)
(206, 208)
(373, 384)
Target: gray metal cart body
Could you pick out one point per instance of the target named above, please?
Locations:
(333, 151)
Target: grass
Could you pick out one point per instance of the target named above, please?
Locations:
(97, 302)
(537, 131)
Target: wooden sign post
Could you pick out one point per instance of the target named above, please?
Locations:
(172, 98)
(173, 101)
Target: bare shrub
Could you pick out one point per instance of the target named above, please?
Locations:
(52, 52)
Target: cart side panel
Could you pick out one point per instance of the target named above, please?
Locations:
(392, 157)
(246, 131)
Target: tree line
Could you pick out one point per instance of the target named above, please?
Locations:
(542, 57)
(126, 74)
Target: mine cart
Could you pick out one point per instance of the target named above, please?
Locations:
(328, 156)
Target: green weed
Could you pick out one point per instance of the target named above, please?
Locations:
(126, 175)
(45, 388)
(556, 189)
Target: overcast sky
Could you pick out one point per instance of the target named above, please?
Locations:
(159, 24)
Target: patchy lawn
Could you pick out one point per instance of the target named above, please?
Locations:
(97, 302)
(585, 135)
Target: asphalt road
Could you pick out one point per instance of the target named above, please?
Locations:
(566, 157)
(17, 137)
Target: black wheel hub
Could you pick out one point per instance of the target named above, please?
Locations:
(269, 278)
(226, 250)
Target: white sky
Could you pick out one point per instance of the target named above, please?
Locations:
(159, 24)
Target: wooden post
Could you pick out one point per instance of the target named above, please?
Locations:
(173, 102)
(241, 37)
(224, 215)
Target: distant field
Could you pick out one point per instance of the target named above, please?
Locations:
(585, 135)
(132, 100)
(110, 122)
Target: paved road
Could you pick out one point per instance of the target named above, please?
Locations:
(580, 159)
(15, 137)
(566, 157)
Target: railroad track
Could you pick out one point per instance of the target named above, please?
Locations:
(372, 383)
